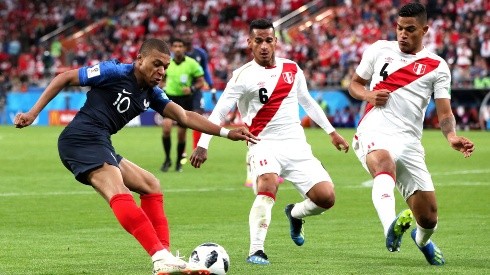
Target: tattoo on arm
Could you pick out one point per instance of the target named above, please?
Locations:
(448, 125)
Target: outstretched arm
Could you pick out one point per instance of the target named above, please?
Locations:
(68, 78)
(316, 113)
(196, 121)
(447, 123)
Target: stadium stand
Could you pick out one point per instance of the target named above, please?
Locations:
(326, 37)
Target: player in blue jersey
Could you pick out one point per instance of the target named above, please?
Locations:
(119, 92)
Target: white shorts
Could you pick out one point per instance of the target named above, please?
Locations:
(292, 160)
(409, 156)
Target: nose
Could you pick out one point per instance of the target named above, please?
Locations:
(403, 34)
(161, 71)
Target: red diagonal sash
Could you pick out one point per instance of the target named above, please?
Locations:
(280, 92)
(404, 76)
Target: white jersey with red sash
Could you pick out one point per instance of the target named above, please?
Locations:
(411, 79)
(267, 98)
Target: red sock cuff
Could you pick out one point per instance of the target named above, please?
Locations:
(268, 194)
(386, 173)
(155, 196)
(121, 198)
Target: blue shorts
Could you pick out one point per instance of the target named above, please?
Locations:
(82, 152)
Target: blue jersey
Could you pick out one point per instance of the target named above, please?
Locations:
(201, 57)
(114, 98)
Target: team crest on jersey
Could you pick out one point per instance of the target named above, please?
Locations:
(288, 77)
(146, 103)
(418, 68)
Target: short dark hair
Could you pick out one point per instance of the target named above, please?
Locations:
(154, 43)
(261, 24)
(176, 39)
(416, 10)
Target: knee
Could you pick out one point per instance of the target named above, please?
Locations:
(326, 201)
(153, 186)
(323, 195)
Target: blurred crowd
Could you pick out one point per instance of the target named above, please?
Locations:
(328, 51)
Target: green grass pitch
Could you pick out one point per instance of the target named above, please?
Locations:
(51, 224)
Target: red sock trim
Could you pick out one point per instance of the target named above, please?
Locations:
(152, 205)
(268, 194)
(386, 173)
(134, 221)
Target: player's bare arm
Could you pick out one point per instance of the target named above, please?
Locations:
(195, 121)
(339, 142)
(357, 89)
(447, 123)
(69, 78)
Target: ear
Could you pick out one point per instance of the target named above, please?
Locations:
(425, 29)
(139, 58)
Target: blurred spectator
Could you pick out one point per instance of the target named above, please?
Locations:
(485, 47)
(5, 86)
(343, 118)
(328, 50)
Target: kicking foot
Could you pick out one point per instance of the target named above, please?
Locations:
(395, 233)
(171, 265)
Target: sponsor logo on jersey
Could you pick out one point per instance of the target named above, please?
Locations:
(126, 92)
(93, 71)
(388, 59)
(288, 77)
(418, 68)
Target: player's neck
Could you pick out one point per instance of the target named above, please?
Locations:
(415, 51)
(267, 64)
(179, 59)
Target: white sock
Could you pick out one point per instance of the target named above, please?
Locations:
(384, 200)
(259, 220)
(306, 208)
(161, 254)
(422, 236)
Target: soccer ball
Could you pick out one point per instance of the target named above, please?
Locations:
(213, 256)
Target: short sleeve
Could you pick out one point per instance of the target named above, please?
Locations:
(442, 83)
(158, 100)
(366, 66)
(96, 75)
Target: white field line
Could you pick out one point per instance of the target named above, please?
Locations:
(367, 183)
